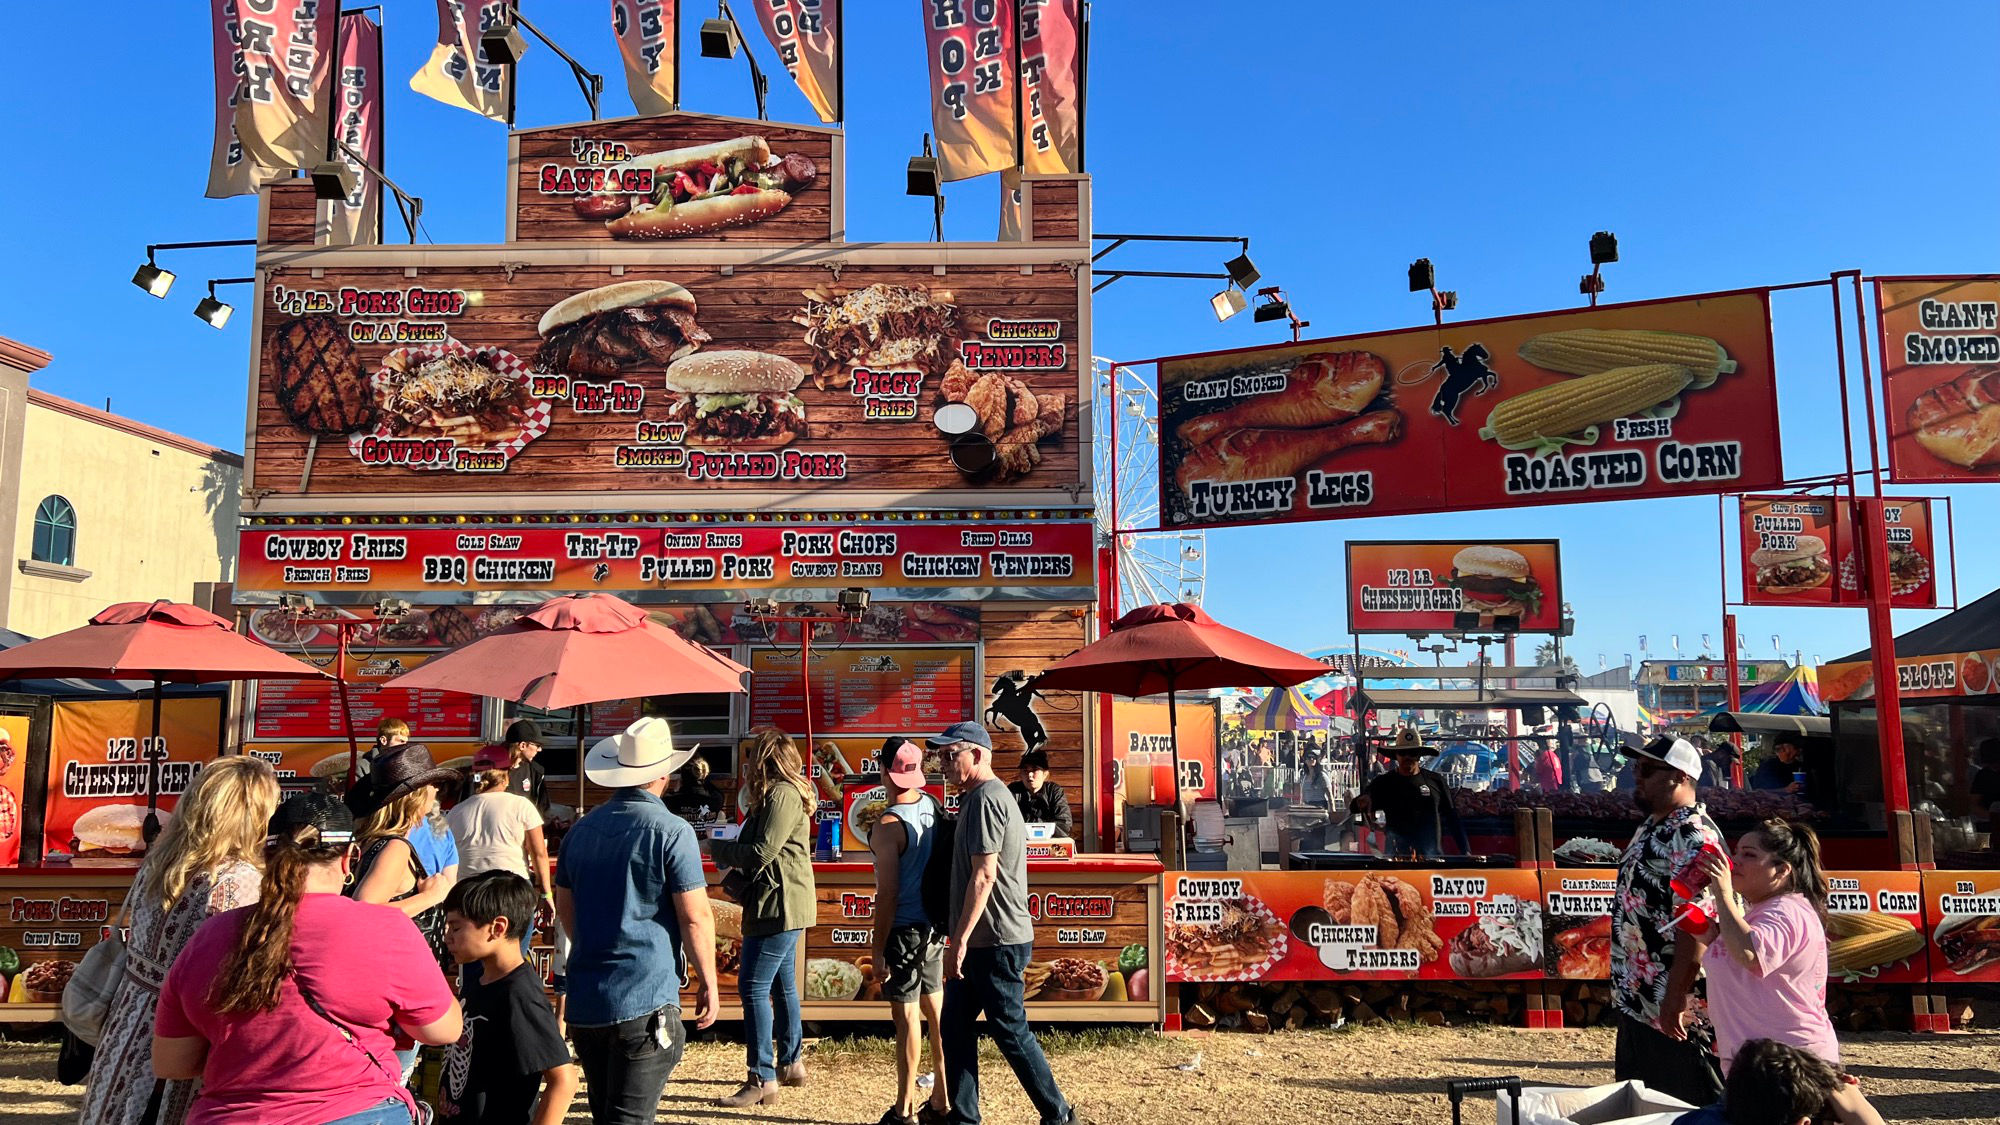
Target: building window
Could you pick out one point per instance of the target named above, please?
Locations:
(55, 532)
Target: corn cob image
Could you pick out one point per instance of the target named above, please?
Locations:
(1859, 954)
(1841, 926)
(1588, 351)
(1561, 409)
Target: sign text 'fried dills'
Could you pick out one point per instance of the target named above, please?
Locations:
(1661, 398)
(639, 559)
(563, 379)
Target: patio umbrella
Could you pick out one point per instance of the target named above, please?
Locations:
(165, 642)
(1159, 649)
(576, 650)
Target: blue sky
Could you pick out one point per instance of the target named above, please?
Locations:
(1727, 145)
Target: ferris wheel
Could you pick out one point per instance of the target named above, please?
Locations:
(1153, 566)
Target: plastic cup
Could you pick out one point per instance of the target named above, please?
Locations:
(1690, 881)
(1799, 778)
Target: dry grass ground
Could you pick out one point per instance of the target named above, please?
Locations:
(1350, 1077)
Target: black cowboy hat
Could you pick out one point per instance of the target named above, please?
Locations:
(400, 770)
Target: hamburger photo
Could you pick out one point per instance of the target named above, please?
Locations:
(1795, 571)
(112, 830)
(1495, 581)
(728, 936)
(614, 328)
(737, 399)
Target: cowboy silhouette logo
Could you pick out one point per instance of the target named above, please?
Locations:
(1462, 373)
(1014, 700)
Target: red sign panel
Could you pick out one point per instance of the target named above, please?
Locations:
(1964, 909)
(1803, 550)
(1664, 398)
(1424, 587)
(1940, 339)
(661, 562)
(293, 709)
(886, 690)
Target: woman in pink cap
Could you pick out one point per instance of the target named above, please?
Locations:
(498, 830)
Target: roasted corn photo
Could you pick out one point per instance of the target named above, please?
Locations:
(1589, 351)
(1857, 955)
(1841, 926)
(1563, 409)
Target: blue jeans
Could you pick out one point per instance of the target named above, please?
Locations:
(389, 1112)
(992, 984)
(768, 983)
(626, 1065)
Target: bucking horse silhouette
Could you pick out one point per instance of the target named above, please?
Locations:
(1462, 373)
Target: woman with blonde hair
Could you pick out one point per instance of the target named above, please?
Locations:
(205, 862)
(286, 1010)
(774, 854)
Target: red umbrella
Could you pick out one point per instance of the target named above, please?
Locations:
(165, 642)
(1164, 648)
(576, 650)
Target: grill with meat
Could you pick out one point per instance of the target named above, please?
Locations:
(610, 342)
(319, 382)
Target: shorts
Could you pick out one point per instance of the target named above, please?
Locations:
(914, 964)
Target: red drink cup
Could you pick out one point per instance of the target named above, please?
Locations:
(1690, 881)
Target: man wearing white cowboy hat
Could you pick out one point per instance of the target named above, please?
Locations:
(1415, 803)
(631, 894)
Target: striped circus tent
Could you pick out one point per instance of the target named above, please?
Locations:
(1287, 709)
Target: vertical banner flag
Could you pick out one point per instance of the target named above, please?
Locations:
(357, 220)
(806, 34)
(648, 34)
(1051, 86)
(286, 48)
(459, 72)
(973, 59)
(231, 171)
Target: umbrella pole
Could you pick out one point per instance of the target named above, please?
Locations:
(152, 829)
(1174, 745)
(582, 718)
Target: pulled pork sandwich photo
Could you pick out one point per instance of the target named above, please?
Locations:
(618, 327)
(1795, 571)
(737, 399)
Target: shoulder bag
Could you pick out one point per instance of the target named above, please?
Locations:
(420, 1110)
(86, 999)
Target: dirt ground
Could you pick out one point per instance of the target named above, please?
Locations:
(1354, 1076)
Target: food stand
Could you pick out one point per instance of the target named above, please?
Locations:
(759, 413)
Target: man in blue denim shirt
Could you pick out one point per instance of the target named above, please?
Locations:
(630, 892)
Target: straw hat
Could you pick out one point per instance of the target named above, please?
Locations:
(1407, 742)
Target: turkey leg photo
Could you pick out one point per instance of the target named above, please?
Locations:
(1323, 388)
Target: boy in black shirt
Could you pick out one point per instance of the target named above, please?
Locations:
(510, 1044)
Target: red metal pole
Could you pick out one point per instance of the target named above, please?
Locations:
(1513, 726)
(1107, 790)
(1882, 653)
(340, 631)
(1729, 667)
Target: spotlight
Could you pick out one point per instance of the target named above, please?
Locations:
(1272, 308)
(922, 176)
(1241, 271)
(1422, 275)
(297, 603)
(1447, 299)
(1603, 248)
(391, 609)
(853, 601)
(503, 44)
(719, 39)
(761, 607)
(152, 278)
(334, 180)
(215, 312)
(1228, 303)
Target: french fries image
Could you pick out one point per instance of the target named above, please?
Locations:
(1036, 977)
(1591, 351)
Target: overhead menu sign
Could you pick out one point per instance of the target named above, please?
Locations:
(1662, 398)
(1803, 550)
(1425, 587)
(1940, 347)
(661, 562)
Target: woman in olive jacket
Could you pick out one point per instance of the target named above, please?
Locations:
(773, 852)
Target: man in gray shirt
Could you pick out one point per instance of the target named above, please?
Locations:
(992, 936)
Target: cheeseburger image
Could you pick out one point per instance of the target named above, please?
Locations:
(1794, 571)
(737, 399)
(1495, 581)
(728, 936)
(113, 830)
(614, 328)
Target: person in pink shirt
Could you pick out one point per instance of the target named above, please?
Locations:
(1767, 967)
(284, 1009)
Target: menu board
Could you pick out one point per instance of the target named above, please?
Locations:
(13, 782)
(1965, 909)
(1875, 927)
(103, 755)
(48, 924)
(295, 709)
(1422, 587)
(1940, 337)
(1802, 550)
(892, 689)
(1298, 925)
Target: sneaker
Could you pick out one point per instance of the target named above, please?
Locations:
(749, 1094)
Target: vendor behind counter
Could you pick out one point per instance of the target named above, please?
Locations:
(1040, 800)
(1415, 803)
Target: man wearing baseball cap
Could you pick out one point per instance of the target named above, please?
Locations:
(992, 934)
(1655, 965)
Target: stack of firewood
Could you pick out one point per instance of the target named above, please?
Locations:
(1274, 1006)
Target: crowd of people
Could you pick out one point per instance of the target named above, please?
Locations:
(289, 960)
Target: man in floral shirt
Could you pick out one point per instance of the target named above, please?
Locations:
(1663, 1037)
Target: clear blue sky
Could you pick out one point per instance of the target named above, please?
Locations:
(1727, 145)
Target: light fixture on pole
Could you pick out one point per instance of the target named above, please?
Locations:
(922, 178)
(158, 281)
(1241, 270)
(410, 207)
(1603, 249)
(334, 180)
(213, 311)
(1274, 306)
(1423, 277)
(721, 37)
(503, 43)
(1228, 303)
